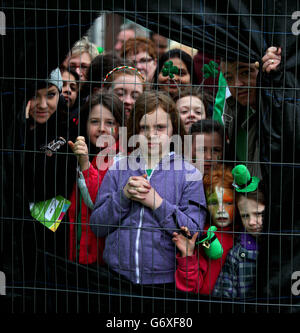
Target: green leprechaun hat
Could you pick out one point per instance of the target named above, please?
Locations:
(243, 182)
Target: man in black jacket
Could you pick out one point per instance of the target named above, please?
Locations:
(240, 116)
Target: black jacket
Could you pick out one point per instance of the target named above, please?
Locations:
(49, 162)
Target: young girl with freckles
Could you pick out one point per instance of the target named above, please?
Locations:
(147, 195)
(195, 272)
(100, 121)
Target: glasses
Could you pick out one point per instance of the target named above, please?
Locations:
(142, 61)
(82, 68)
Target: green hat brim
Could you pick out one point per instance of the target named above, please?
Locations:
(251, 187)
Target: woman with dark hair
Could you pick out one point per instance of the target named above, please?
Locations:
(184, 75)
(49, 170)
(70, 90)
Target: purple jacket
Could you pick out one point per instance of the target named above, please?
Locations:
(139, 240)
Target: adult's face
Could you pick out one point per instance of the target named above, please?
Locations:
(122, 37)
(43, 105)
(144, 63)
(183, 78)
(241, 80)
(70, 88)
(80, 64)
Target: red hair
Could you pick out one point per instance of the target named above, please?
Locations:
(220, 175)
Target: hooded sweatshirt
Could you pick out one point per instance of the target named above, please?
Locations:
(138, 239)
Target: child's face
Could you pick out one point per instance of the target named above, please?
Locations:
(251, 213)
(44, 104)
(70, 88)
(127, 88)
(182, 78)
(191, 109)
(221, 206)
(157, 127)
(207, 150)
(101, 122)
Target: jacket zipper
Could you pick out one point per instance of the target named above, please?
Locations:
(137, 241)
(138, 234)
(137, 268)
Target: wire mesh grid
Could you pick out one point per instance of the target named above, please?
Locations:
(215, 86)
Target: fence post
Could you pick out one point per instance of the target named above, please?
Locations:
(2, 24)
(2, 284)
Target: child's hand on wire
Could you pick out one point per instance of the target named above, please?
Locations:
(271, 59)
(185, 246)
(80, 149)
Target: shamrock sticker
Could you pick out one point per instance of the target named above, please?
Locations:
(210, 70)
(169, 69)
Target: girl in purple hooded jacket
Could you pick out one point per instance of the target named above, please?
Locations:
(146, 196)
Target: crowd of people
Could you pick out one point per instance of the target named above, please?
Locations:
(130, 139)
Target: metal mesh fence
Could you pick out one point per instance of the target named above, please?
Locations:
(93, 217)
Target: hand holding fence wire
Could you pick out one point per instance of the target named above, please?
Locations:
(271, 60)
(80, 149)
(184, 241)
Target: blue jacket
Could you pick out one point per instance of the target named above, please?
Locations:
(139, 240)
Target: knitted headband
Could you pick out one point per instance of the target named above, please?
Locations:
(119, 68)
(56, 79)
